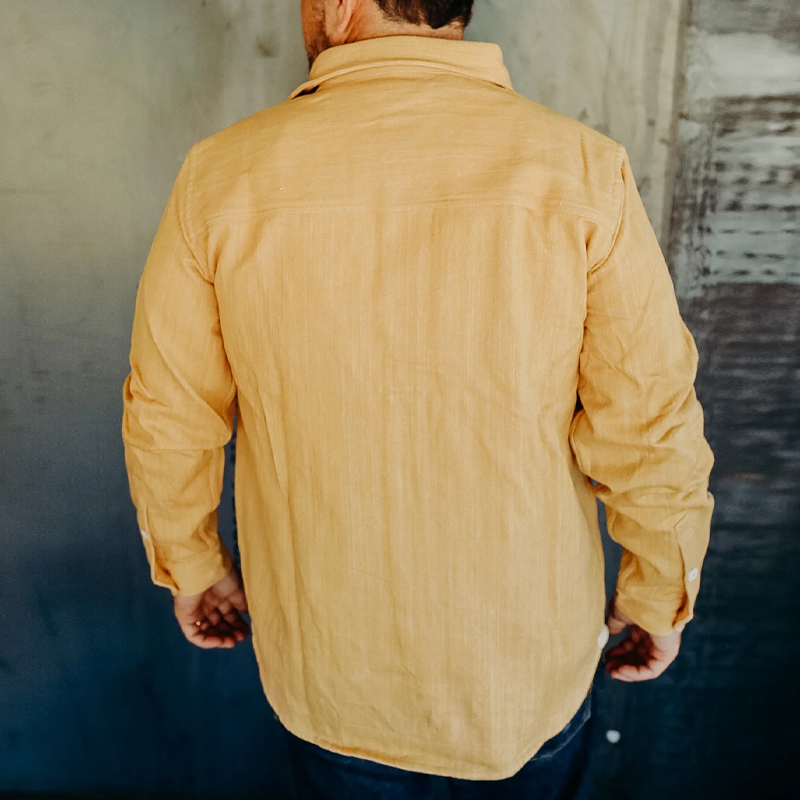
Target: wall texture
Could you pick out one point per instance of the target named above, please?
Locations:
(735, 254)
(720, 723)
(100, 100)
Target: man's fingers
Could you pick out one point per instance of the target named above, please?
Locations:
(636, 664)
(232, 617)
(219, 636)
(212, 619)
(625, 646)
(235, 620)
(214, 616)
(634, 673)
(641, 656)
(238, 629)
(204, 640)
(615, 625)
(217, 621)
(209, 641)
(239, 601)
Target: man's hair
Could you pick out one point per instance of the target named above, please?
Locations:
(435, 13)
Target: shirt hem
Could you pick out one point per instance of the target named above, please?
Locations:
(440, 770)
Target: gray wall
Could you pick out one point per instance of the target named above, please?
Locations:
(99, 102)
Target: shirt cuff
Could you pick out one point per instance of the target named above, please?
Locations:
(659, 619)
(190, 575)
(662, 617)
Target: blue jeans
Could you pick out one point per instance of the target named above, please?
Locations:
(554, 773)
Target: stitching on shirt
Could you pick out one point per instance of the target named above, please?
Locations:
(619, 158)
(185, 223)
(572, 208)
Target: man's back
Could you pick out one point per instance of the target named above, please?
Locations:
(406, 274)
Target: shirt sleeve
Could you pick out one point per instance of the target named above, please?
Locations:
(178, 407)
(639, 433)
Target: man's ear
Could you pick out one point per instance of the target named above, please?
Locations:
(341, 17)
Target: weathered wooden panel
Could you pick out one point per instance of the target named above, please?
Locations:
(755, 223)
(736, 212)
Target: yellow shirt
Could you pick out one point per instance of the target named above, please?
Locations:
(407, 274)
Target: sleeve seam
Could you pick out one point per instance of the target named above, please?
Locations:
(185, 219)
(619, 158)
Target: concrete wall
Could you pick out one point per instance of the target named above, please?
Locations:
(100, 100)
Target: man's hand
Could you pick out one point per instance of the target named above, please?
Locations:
(640, 656)
(213, 618)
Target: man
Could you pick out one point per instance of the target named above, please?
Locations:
(448, 328)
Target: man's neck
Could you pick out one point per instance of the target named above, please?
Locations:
(376, 30)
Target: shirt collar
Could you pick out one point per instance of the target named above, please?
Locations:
(482, 60)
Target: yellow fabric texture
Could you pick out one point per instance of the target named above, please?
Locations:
(406, 275)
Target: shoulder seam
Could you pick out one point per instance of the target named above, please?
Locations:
(619, 158)
(185, 220)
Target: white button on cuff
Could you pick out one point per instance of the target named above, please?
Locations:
(613, 736)
(144, 534)
(602, 639)
(693, 575)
